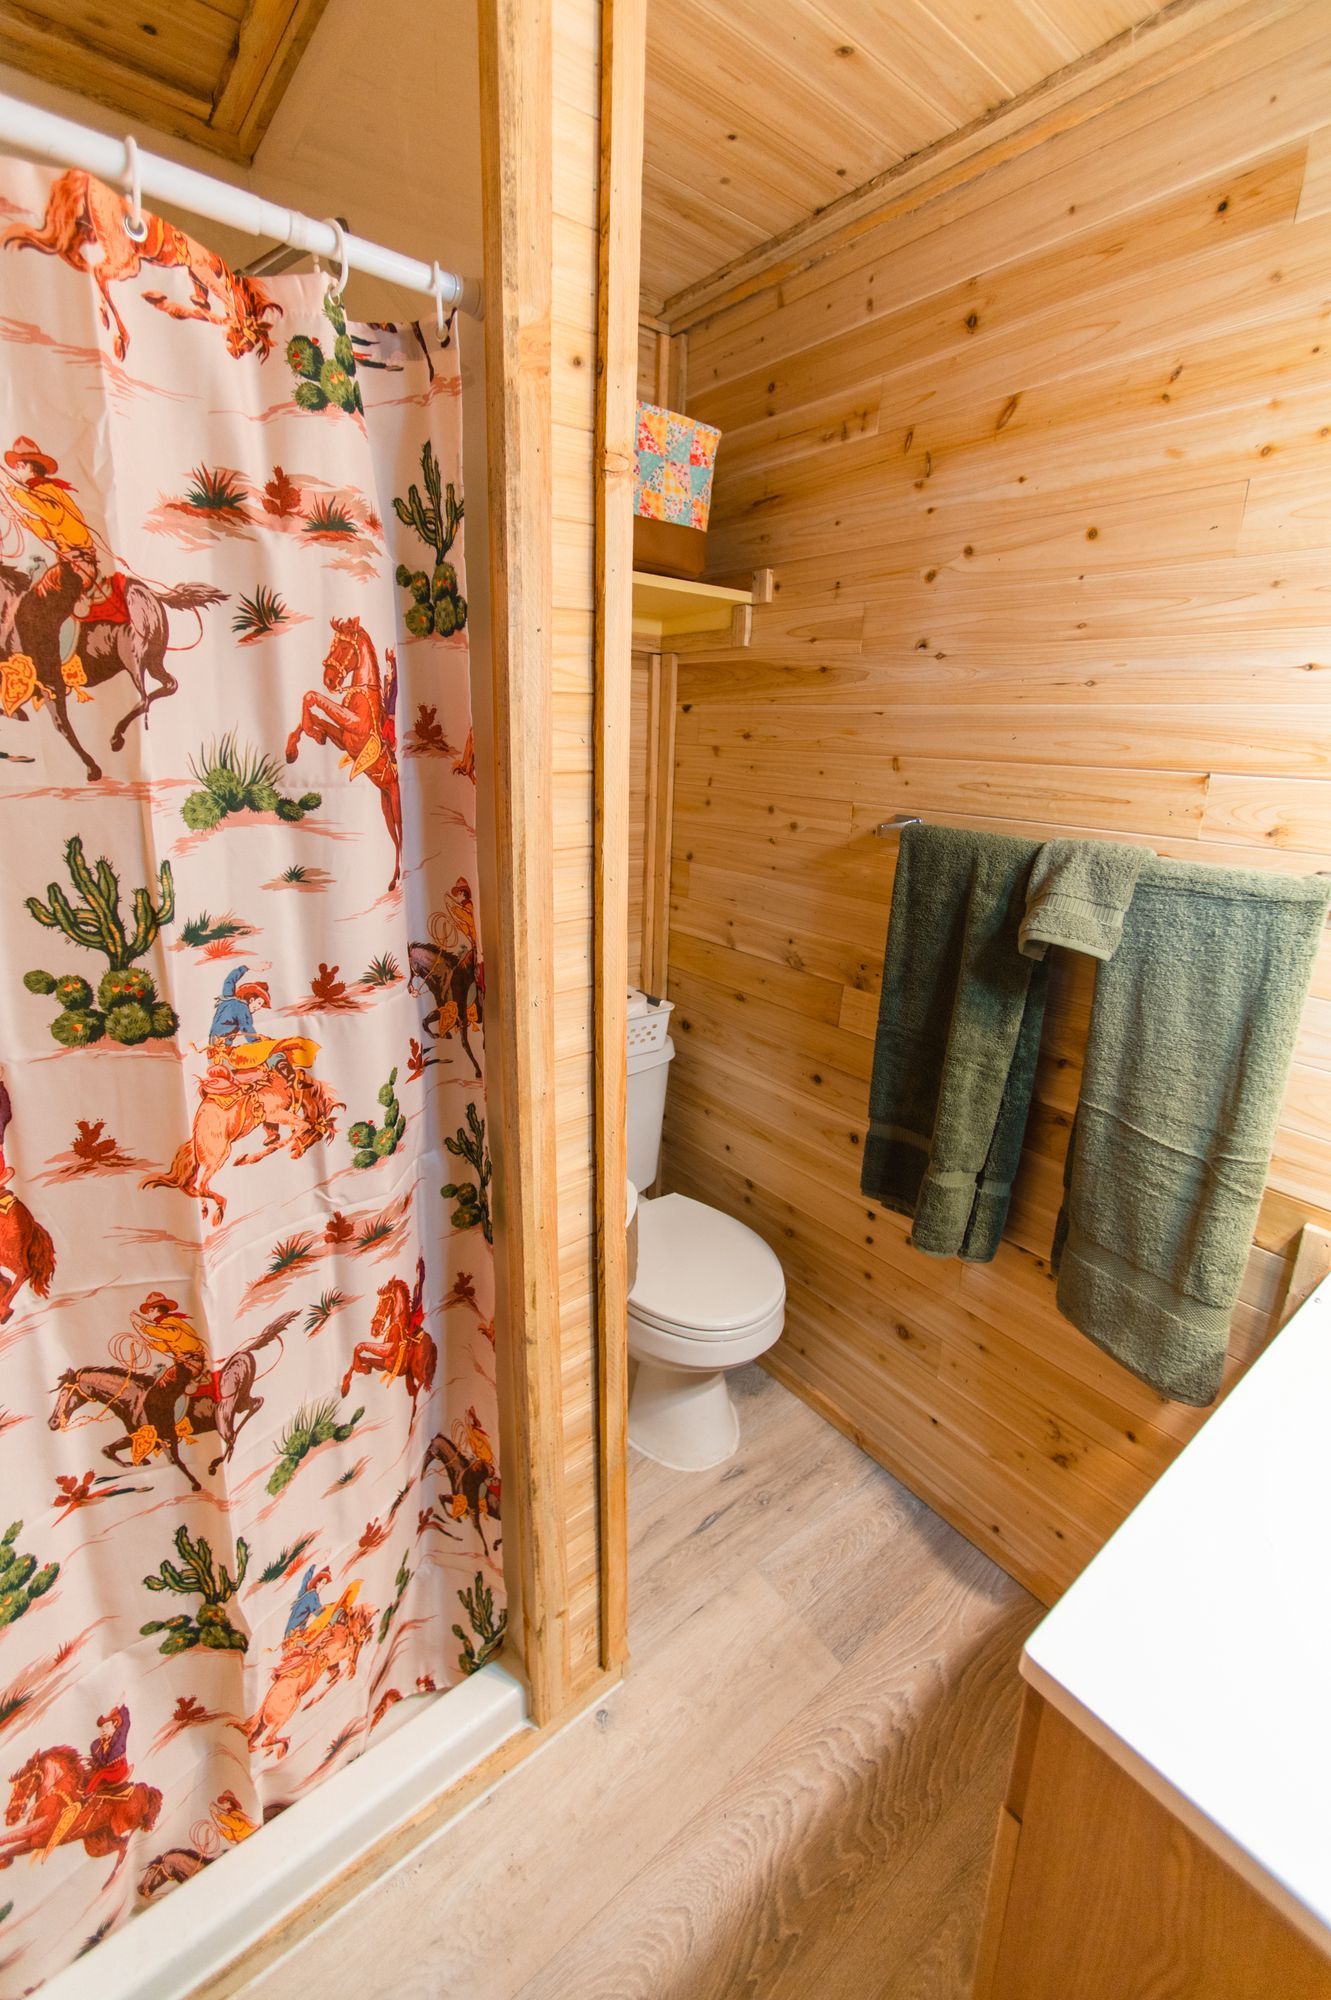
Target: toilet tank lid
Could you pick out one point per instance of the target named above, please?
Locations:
(702, 1269)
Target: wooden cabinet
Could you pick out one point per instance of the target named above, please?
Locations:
(1098, 1891)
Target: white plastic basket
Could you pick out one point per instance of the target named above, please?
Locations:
(649, 1022)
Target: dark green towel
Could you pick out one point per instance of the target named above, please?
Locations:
(1191, 1037)
(1078, 895)
(958, 1035)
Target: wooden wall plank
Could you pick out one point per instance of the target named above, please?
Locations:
(1063, 570)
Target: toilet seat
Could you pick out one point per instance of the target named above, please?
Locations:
(703, 1279)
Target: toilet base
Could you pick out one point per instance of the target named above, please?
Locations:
(682, 1417)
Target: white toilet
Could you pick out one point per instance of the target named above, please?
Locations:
(708, 1295)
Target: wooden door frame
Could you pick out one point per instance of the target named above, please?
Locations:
(515, 66)
(516, 138)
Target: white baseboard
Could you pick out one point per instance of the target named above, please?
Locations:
(169, 1948)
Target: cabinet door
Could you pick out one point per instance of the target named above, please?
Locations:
(1111, 1898)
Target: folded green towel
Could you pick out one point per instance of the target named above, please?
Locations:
(1077, 895)
(958, 1036)
(1191, 1037)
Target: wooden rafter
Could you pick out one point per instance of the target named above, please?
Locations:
(212, 74)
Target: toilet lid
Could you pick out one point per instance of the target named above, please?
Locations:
(701, 1270)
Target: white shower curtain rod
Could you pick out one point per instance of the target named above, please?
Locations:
(45, 136)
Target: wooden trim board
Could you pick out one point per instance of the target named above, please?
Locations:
(623, 54)
(515, 98)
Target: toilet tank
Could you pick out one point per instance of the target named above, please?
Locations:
(650, 1053)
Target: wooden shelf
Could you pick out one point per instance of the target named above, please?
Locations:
(673, 614)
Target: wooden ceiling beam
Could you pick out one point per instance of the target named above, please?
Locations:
(241, 76)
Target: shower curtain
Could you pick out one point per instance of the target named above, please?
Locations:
(247, 1408)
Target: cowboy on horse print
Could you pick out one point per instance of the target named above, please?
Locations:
(60, 1798)
(108, 1761)
(252, 1081)
(44, 506)
(460, 925)
(232, 1015)
(233, 1023)
(314, 1648)
(468, 1459)
(145, 1402)
(43, 501)
(311, 1617)
(451, 968)
(162, 1326)
(125, 629)
(307, 1602)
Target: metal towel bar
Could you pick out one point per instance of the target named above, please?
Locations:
(886, 827)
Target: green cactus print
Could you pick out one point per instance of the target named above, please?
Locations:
(326, 381)
(473, 1201)
(479, 1605)
(128, 1007)
(372, 1143)
(402, 1580)
(21, 1582)
(196, 1576)
(436, 606)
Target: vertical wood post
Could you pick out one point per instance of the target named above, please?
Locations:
(516, 144)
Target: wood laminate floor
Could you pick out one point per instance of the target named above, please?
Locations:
(792, 1794)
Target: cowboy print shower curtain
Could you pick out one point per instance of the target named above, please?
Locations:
(247, 1410)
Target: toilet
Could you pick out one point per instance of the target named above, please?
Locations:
(707, 1294)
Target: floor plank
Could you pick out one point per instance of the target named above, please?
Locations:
(793, 1793)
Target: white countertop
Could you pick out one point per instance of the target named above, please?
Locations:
(1196, 1648)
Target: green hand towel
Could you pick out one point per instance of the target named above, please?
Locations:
(1192, 1032)
(958, 1035)
(1078, 893)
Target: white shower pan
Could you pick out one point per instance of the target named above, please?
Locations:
(170, 1947)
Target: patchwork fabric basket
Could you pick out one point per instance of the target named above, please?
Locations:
(676, 457)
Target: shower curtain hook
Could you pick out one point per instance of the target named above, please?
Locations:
(437, 287)
(332, 222)
(135, 226)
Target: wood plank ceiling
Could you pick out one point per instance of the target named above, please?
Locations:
(208, 70)
(761, 112)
